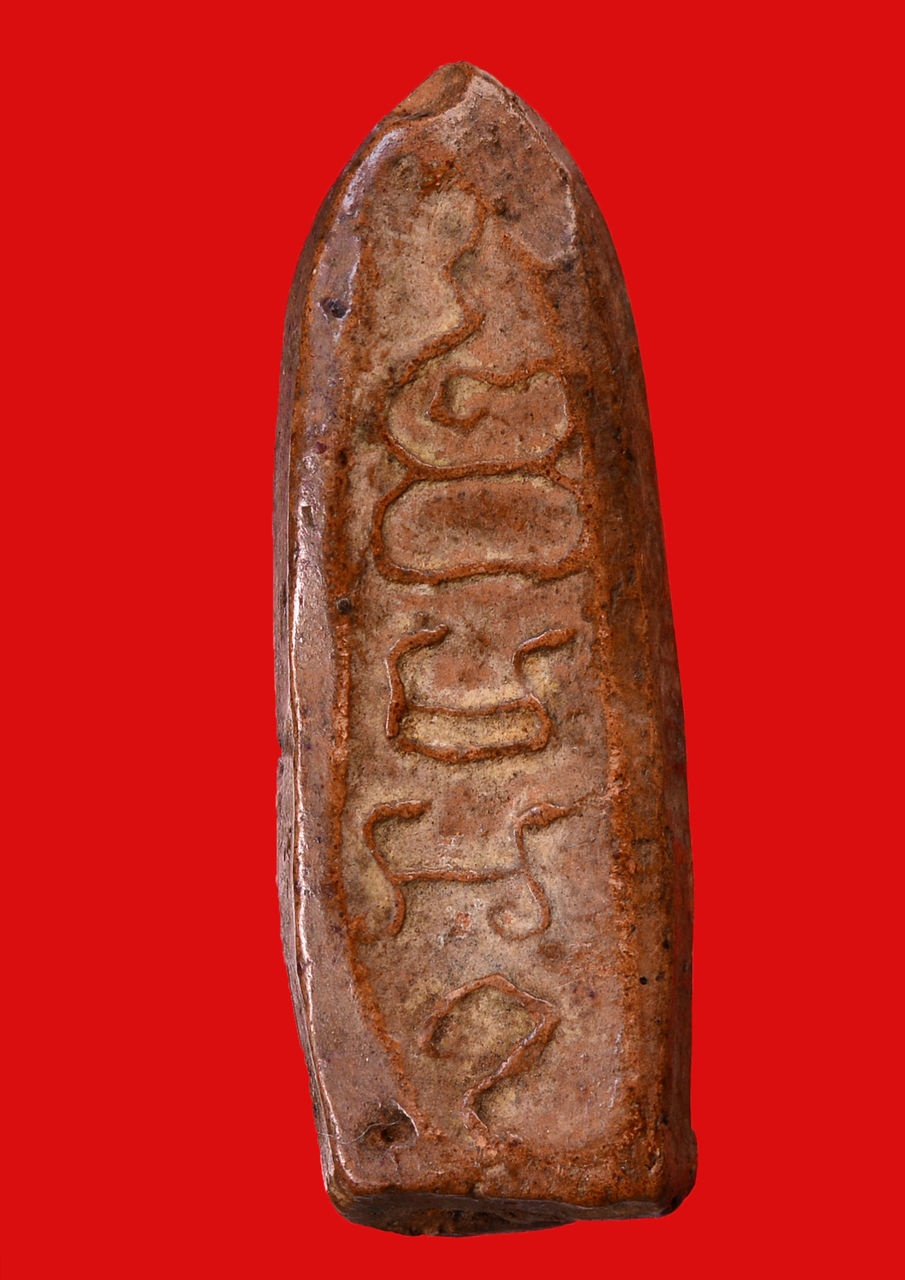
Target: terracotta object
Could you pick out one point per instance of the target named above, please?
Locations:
(484, 856)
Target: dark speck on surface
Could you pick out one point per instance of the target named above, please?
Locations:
(334, 307)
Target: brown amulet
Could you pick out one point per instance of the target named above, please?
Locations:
(484, 861)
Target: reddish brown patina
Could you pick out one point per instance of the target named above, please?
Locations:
(484, 858)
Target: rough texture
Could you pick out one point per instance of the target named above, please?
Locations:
(484, 859)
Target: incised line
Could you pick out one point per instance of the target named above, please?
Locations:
(400, 708)
(524, 1055)
(537, 816)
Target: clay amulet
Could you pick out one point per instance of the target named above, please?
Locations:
(484, 858)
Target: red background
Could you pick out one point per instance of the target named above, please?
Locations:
(166, 163)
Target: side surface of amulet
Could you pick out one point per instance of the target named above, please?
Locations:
(484, 858)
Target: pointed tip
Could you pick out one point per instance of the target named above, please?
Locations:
(441, 90)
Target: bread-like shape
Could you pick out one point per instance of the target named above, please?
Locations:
(484, 861)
